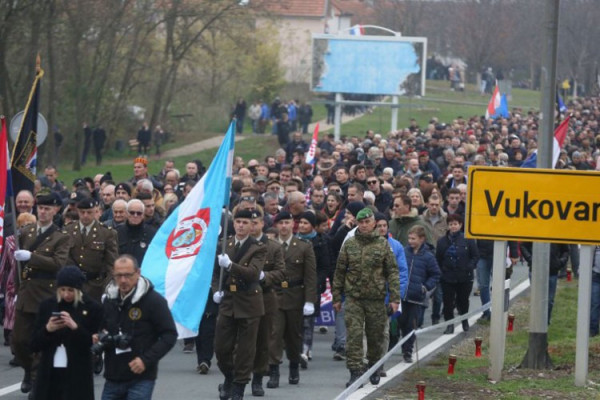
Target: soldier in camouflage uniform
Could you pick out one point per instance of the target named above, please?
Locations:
(366, 267)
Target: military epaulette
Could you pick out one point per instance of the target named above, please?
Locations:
(303, 240)
(258, 242)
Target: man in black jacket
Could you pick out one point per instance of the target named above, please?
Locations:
(135, 236)
(141, 331)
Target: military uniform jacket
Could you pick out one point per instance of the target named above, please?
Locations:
(95, 254)
(274, 273)
(300, 284)
(242, 291)
(49, 253)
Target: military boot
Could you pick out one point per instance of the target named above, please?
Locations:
(375, 377)
(26, 384)
(225, 389)
(273, 377)
(257, 388)
(238, 391)
(354, 375)
(294, 377)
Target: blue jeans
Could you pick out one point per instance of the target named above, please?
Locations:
(595, 309)
(131, 390)
(552, 281)
(484, 277)
(340, 330)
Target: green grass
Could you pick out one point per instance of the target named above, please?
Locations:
(470, 378)
(252, 147)
(259, 147)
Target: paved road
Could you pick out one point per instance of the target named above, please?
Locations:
(324, 378)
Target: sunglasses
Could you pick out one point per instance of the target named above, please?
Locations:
(247, 198)
(371, 182)
(135, 213)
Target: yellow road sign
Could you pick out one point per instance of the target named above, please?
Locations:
(542, 205)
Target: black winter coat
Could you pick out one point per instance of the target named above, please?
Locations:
(79, 384)
(423, 274)
(135, 239)
(146, 318)
(457, 257)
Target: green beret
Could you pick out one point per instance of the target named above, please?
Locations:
(364, 213)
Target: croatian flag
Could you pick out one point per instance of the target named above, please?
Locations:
(494, 104)
(357, 30)
(559, 140)
(180, 258)
(310, 155)
(6, 186)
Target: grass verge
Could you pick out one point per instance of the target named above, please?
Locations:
(470, 378)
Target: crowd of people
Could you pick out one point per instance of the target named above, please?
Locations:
(377, 219)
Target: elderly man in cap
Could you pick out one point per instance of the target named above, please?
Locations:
(93, 248)
(366, 270)
(296, 295)
(44, 251)
(239, 294)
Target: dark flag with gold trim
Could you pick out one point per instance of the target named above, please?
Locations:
(24, 154)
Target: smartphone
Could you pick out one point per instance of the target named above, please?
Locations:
(57, 314)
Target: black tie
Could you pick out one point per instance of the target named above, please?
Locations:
(285, 247)
(39, 231)
(83, 232)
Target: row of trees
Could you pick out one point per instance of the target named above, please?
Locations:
(500, 33)
(101, 56)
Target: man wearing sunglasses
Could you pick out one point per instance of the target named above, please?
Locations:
(383, 198)
(135, 236)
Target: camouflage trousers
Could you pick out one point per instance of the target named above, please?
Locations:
(366, 317)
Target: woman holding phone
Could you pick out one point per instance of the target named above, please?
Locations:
(63, 335)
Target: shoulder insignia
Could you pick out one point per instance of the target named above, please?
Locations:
(259, 243)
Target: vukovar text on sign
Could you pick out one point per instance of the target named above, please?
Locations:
(533, 204)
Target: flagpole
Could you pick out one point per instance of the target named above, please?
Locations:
(225, 220)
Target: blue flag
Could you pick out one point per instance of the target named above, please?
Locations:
(560, 103)
(180, 258)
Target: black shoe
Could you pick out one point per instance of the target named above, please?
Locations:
(407, 357)
(26, 385)
(354, 375)
(13, 362)
(449, 330)
(237, 392)
(273, 377)
(465, 325)
(435, 321)
(257, 388)
(226, 388)
(98, 364)
(375, 377)
(294, 377)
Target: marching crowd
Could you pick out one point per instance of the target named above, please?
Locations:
(378, 219)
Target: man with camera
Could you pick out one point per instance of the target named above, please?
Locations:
(137, 331)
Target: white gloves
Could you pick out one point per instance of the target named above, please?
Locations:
(22, 255)
(217, 297)
(309, 309)
(261, 277)
(224, 261)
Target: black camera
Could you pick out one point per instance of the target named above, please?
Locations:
(107, 341)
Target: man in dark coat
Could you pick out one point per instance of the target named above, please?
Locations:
(99, 140)
(135, 236)
(44, 251)
(144, 136)
(145, 332)
(241, 306)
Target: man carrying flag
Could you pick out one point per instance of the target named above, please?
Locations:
(240, 296)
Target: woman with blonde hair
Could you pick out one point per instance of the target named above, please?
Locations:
(63, 335)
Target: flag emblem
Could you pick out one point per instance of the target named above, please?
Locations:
(187, 237)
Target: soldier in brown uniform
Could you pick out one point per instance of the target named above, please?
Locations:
(296, 295)
(241, 306)
(272, 275)
(93, 248)
(44, 251)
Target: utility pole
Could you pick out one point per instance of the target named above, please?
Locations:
(537, 356)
